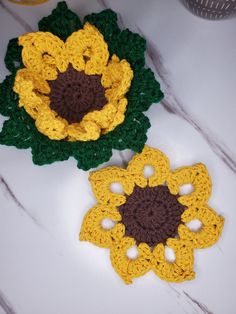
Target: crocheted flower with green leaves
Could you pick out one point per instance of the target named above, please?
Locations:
(77, 90)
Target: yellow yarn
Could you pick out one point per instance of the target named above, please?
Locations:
(182, 268)
(101, 181)
(126, 267)
(87, 44)
(151, 157)
(32, 102)
(100, 236)
(48, 122)
(28, 2)
(45, 55)
(210, 231)
(116, 78)
(198, 177)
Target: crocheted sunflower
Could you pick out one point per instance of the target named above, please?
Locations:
(77, 90)
(152, 215)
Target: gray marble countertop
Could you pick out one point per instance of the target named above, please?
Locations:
(44, 269)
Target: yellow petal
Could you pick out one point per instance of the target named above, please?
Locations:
(128, 268)
(93, 231)
(102, 179)
(87, 51)
(25, 86)
(83, 131)
(210, 231)
(103, 118)
(196, 175)
(116, 78)
(154, 158)
(50, 125)
(43, 53)
(179, 270)
(39, 84)
(119, 116)
(99, 121)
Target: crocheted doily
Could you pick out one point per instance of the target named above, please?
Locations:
(77, 90)
(153, 215)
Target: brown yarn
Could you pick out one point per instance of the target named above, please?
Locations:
(151, 215)
(74, 94)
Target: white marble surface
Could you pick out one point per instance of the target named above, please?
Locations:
(44, 269)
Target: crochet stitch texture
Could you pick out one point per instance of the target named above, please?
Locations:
(124, 89)
(152, 215)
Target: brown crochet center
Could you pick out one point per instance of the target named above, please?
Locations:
(151, 215)
(74, 94)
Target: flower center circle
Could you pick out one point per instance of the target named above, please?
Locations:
(151, 215)
(74, 94)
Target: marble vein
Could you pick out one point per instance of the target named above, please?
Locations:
(103, 4)
(5, 304)
(172, 105)
(182, 298)
(16, 17)
(197, 306)
(9, 191)
(200, 305)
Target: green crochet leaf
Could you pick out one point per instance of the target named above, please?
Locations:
(18, 131)
(46, 151)
(62, 22)
(8, 98)
(129, 46)
(13, 59)
(106, 23)
(91, 154)
(130, 134)
(144, 91)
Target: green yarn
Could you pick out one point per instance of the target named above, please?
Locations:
(13, 59)
(62, 22)
(20, 130)
(16, 132)
(132, 133)
(8, 98)
(129, 46)
(144, 91)
(45, 151)
(91, 154)
(106, 23)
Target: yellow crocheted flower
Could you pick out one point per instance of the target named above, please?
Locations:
(152, 215)
(72, 89)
